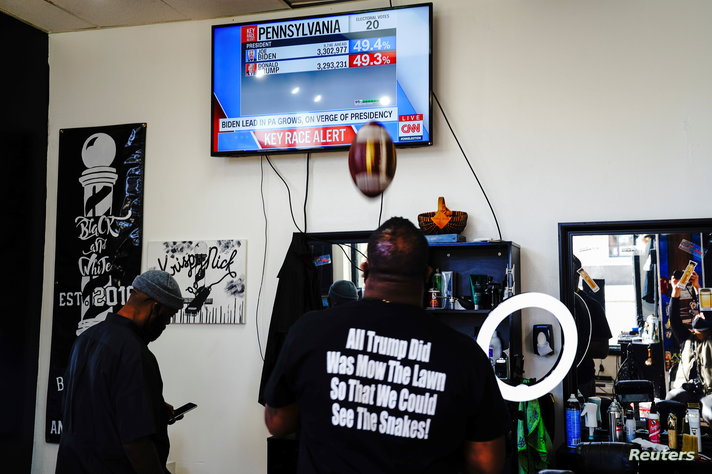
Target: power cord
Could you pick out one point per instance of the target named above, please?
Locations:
(380, 213)
(289, 194)
(264, 215)
(437, 101)
(264, 259)
(306, 193)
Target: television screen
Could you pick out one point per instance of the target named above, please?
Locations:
(309, 83)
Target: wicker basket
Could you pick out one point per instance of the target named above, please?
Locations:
(443, 221)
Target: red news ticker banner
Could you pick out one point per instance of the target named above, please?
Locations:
(300, 137)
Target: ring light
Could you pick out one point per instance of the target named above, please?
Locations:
(523, 393)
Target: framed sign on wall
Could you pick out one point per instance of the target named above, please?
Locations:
(211, 274)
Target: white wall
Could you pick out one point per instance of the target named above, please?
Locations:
(568, 110)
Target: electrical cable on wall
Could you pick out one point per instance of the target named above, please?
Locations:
(264, 259)
(341, 246)
(289, 194)
(469, 164)
(306, 193)
(264, 214)
(380, 213)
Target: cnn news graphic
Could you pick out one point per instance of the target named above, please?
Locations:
(311, 83)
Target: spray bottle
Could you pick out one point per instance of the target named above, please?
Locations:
(615, 421)
(573, 422)
(590, 412)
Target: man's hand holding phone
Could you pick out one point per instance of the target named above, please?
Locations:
(177, 414)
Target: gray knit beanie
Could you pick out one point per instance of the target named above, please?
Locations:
(342, 291)
(161, 287)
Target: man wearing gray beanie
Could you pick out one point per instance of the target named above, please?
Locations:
(342, 291)
(114, 415)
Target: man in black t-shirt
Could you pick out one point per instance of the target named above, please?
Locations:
(379, 385)
(114, 416)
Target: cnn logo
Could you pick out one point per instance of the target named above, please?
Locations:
(409, 128)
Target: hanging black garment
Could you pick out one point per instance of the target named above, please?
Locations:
(297, 293)
(651, 278)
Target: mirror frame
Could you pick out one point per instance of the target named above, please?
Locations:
(567, 231)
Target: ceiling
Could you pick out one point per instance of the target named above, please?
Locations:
(59, 16)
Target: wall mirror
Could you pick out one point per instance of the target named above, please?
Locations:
(338, 256)
(627, 267)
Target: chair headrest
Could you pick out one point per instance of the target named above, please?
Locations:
(634, 391)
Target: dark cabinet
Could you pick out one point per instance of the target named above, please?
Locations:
(498, 260)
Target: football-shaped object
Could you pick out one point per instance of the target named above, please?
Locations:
(372, 159)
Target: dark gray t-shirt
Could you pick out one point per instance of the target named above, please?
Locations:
(113, 395)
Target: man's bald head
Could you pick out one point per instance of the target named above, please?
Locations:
(397, 250)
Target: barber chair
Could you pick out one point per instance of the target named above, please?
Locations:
(634, 391)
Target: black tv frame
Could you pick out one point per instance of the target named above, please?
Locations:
(246, 153)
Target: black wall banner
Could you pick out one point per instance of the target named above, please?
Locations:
(98, 251)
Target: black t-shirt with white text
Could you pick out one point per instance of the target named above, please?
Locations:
(385, 387)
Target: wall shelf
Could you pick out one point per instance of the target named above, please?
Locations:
(490, 258)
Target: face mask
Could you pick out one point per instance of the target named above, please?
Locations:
(155, 325)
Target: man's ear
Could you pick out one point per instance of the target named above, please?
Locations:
(364, 270)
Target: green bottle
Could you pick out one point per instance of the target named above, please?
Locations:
(438, 281)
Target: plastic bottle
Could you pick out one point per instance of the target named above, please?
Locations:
(501, 366)
(654, 425)
(438, 281)
(629, 425)
(573, 422)
(693, 415)
(495, 347)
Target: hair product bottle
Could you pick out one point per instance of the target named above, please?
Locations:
(573, 422)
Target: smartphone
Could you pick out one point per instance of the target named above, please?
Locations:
(706, 299)
(182, 410)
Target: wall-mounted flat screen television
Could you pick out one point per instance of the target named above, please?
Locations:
(309, 83)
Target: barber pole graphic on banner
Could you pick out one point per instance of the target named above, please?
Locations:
(98, 250)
